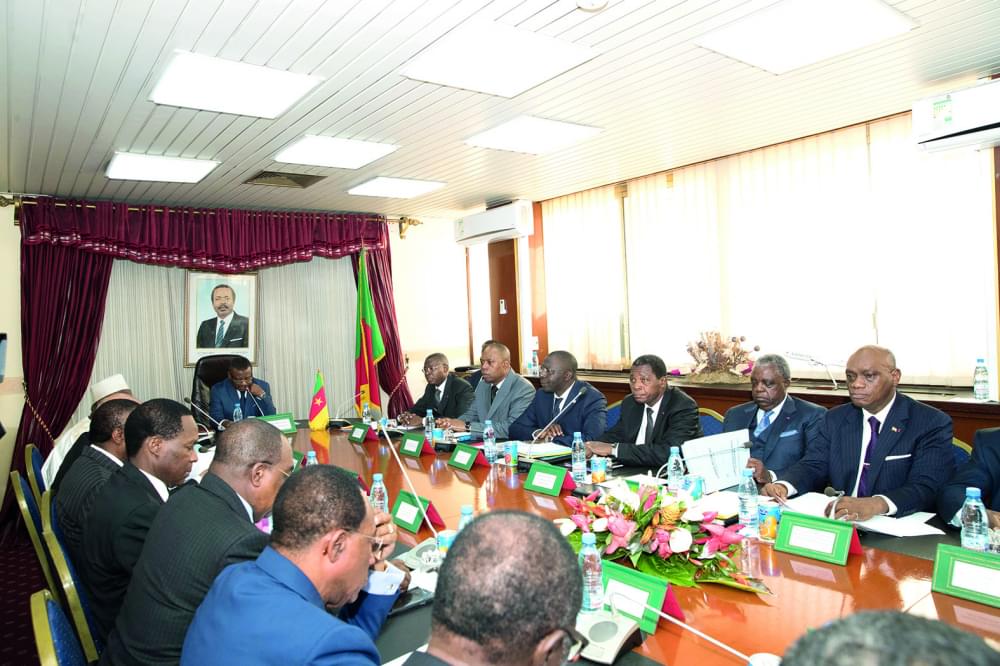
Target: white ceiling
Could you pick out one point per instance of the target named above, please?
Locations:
(76, 75)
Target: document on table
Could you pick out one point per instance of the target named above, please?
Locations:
(719, 459)
(543, 449)
(398, 661)
(912, 525)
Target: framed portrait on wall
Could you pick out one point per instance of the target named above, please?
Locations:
(220, 315)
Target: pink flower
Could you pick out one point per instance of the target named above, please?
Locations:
(647, 497)
(708, 517)
(663, 544)
(581, 521)
(575, 504)
(720, 538)
(621, 531)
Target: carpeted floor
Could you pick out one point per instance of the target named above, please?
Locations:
(21, 577)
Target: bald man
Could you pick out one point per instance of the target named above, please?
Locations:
(888, 453)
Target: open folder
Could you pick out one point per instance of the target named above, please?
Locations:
(719, 459)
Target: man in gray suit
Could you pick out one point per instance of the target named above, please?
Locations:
(501, 396)
(201, 530)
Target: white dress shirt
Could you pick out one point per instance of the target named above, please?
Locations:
(161, 488)
(640, 439)
(110, 457)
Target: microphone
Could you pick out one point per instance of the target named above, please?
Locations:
(406, 477)
(812, 361)
(260, 410)
(204, 413)
(583, 389)
(830, 491)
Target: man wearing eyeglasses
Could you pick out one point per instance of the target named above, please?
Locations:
(274, 610)
(482, 617)
(446, 395)
(202, 529)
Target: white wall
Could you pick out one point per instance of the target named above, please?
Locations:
(11, 394)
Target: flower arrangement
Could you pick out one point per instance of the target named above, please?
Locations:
(720, 361)
(661, 537)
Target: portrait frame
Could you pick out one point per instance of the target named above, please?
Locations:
(199, 311)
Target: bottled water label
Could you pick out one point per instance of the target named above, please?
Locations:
(748, 515)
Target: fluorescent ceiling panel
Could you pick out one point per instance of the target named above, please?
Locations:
(212, 84)
(130, 166)
(327, 151)
(528, 134)
(794, 33)
(396, 188)
(495, 58)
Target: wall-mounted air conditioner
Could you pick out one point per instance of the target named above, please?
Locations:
(967, 117)
(512, 220)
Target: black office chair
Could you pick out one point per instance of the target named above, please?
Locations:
(209, 371)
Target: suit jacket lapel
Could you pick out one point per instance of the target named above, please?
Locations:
(889, 434)
(661, 414)
(850, 452)
(773, 434)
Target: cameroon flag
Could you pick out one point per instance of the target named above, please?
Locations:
(368, 348)
(319, 414)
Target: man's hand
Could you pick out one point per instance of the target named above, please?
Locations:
(598, 449)
(405, 585)
(776, 490)
(760, 473)
(994, 517)
(858, 508)
(407, 418)
(455, 424)
(387, 531)
(257, 391)
(550, 433)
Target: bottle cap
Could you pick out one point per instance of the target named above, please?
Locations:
(488, 422)
(747, 471)
(430, 412)
(589, 539)
(675, 449)
(466, 509)
(577, 435)
(376, 477)
(980, 361)
(973, 493)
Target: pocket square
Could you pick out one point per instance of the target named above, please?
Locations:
(905, 455)
(789, 433)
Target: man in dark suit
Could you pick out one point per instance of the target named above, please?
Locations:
(159, 439)
(586, 414)
(887, 452)
(90, 471)
(981, 470)
(653, 418)
(780, 426)
(273, 610)
(202, 529)
(500, 397)
(252, 394)
(446, 395)
(226, 329)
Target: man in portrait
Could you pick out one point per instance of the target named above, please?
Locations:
(226, 328)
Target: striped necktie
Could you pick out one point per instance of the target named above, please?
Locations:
(763, 425)
(220, 334)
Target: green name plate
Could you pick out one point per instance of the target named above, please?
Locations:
(297, 457)
(358, 433)
(464, 456)
(626, 590)
(967, 574)
(406, 513)
(284, 422)
(548, 479)
(412, 444)
(816, 537)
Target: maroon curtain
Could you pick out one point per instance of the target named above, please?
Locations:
(392, 368)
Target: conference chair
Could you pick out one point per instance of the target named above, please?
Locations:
(76, 598)
(33, 521)
(33, 465)
(961, 450)
(54, 638)
(614, 414)
(711, 421)
(209, 370)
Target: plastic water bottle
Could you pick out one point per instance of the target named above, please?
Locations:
(429, 427)
(675, 471)
(975, 525)
(748, 504)
(593, 584)
(379, 496)
(534, 363)
(366, 414)
(981, 381)
(489, 442)
(466, 516)
(237, 412)
(579, 459)
(310, 459)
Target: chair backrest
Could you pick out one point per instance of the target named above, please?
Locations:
(614, 414)
(33, 464)
(33, 521)
(711, 421)
(961, 450)
(76, 598)
(54, 638)
(208, 371)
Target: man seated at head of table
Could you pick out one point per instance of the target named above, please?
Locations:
(273, 610)
(981, 470)
(252, 394)
(203, 528)
(501, 396)
(781, 426)
(889, 638)
(494, 604)
(446, 395)
(586, 407)
(888, 453)
(159, 438)
(654, 417)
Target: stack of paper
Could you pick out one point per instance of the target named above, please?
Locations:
(914, 524)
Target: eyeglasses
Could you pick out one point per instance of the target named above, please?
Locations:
(287, 474)
(376, 541)
(579, 643)
(430, 368)
(542, 370)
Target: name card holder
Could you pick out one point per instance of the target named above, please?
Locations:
(967, 574)
(465, 456)
(297, 457)
(284, 422)
(406, 513)
(415, 445)
(626, 590)
(359, 433)
(549, 479)
(817, 538)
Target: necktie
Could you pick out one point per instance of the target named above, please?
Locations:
(763, 425)
(862, 480)
(556, 406)
(438, 394)
(649, 425)
(493, 393)
(220, 334)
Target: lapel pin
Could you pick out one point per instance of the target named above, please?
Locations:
(895, 429)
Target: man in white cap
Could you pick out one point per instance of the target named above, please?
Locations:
(109, 388)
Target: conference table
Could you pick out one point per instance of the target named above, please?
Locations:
(891, 574)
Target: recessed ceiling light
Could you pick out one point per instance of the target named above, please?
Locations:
(794, 33)
(527, 134)
(131, 166)
(328, 151)
(212, 84)
(495, 58)
(396, 188)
